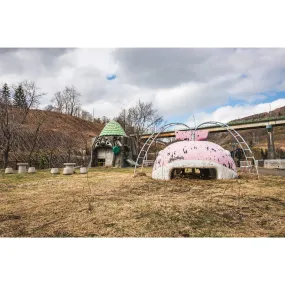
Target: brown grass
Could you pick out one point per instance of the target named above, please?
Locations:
(114, 203)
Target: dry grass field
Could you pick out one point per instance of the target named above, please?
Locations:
(112, 203)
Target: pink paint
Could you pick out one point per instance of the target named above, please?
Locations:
(195, 150)
(188, 135)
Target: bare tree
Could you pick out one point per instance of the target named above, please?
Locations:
(143, 118)
(105, 120)
(32, 98)
(67, 101)
(32, 135)
(32, 94)
(71, 100)
(49, 108)
(139, 119)
(86, 116)
(12, 118)
(124, 121)
(78, 112)
(57, 102)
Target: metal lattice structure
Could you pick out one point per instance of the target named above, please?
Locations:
(248, 154)
(144, 150)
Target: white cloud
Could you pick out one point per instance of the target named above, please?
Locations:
(178, 81)
(102, 108)
(178, 100)
(228, 113)
(99, 58)
(185, 80)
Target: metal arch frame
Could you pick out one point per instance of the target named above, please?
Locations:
(235, 134)
(151, 139)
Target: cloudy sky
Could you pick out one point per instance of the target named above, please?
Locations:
(210, 84)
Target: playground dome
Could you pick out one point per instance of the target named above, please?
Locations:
(113, 128)
(194, 155)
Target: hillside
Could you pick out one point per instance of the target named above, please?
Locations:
(70, 126)
(61, 138)
(257, 138)
(279, 112)
(79, 132)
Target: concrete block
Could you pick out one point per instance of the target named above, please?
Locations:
(32, 170)
(274, 163)
(83, 170)
(54, 171)
(67, 171)
(70, 166)
(22, 167)
(9, 170)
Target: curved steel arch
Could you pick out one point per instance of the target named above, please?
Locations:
(144, 150)
(236, 136)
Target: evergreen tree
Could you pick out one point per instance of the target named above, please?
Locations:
(5, 94)
(19, 98)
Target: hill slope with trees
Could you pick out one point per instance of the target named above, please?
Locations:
(257, 138)
(63, 132)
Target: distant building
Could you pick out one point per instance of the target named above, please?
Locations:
(113, 147)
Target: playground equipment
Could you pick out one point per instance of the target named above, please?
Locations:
(113, 147)
(211, 159)
(145, 148)
(249, 156)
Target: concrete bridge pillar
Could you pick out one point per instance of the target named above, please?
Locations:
(270, 142)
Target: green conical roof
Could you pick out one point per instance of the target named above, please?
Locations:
(113, 128)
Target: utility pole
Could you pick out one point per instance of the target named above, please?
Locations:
(194, 133)
(270, 142)
(124, 120)
(270, 138)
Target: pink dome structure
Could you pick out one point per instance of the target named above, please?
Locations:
(203, 155)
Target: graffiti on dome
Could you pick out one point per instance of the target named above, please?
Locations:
(200, 135)
(195, 150)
